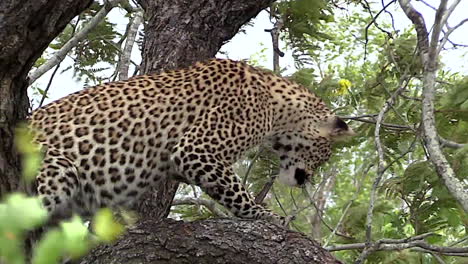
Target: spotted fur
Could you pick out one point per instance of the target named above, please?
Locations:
(106, 145)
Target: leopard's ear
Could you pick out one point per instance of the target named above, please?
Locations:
(340, 131)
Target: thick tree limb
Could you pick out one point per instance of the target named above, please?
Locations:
(211, 241)
(429, 57)
(59, 56)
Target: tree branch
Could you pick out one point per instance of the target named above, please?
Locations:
(417, 20)
(447, 34)
(126, 54)
(429, 57)
(265, 190)
(59, 56)
(380, 170)
(274, 32)
(415, 243)
(44, 95)
(450, 144)
(381, 245)
(363, 119)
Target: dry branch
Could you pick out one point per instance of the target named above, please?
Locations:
(59, 56)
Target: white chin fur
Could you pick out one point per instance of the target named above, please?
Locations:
(287, 177)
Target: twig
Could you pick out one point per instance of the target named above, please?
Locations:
(251, 164)
(319, 211)
(71, 43)
(345, 211)
(266, 188)
(410, 149)
(447, 34)
(374, 22)
(385, 125)
(438, 258)
(48, 85)
(450, 144)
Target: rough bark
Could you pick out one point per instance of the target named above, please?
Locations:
(211, 241)
(179, 33)
(26, 28)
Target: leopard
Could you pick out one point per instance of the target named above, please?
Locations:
(105, 146)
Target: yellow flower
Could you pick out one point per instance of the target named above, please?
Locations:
(344, 86)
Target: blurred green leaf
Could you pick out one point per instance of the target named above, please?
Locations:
(31, 151)
(105, 226)
(75, 235)
(50, 248)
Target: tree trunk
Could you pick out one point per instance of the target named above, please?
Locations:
(26, 28)
(179, 33)
(211, 241)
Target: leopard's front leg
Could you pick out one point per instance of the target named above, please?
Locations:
(204, 157)
(221, 184)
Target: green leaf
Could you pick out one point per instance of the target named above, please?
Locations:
(31, 165)
(50, 248)
(21, 212)
(105, 226)
(75, 235)
(31, 151)
(40, 62)
(17, 215)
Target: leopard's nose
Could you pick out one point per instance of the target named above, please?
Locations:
(300, 175)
